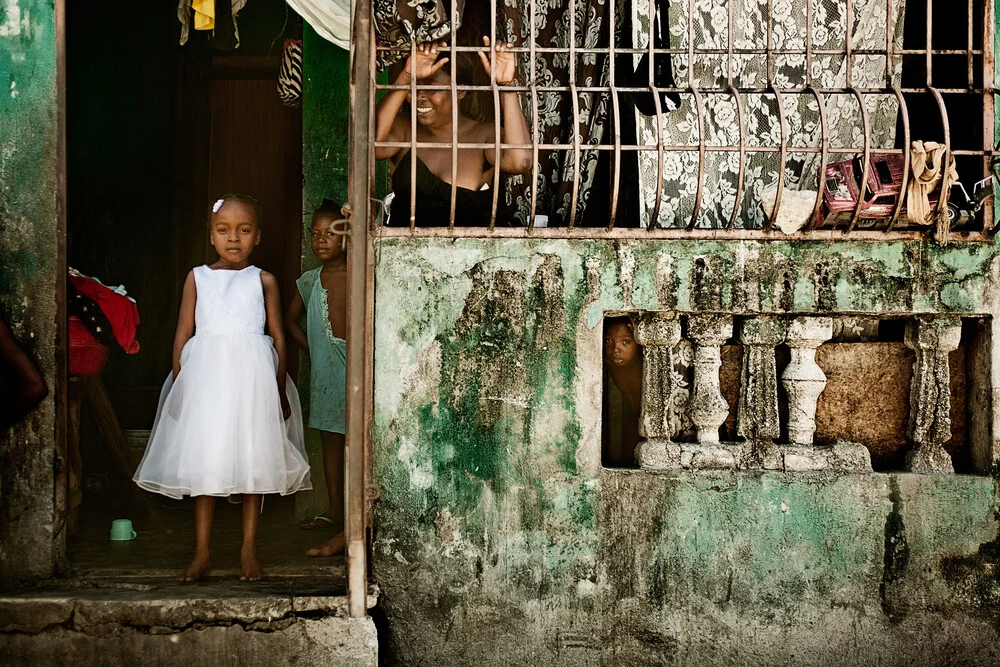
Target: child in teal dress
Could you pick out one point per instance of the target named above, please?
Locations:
(322, 298)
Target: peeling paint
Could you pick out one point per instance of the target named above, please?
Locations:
(500, 525)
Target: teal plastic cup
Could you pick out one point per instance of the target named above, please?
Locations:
(121, 530)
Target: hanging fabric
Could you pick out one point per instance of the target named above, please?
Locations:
(290, 74)
(331, 19)
(204, 14)
(663, 75)
(195, 13)
(400, 22)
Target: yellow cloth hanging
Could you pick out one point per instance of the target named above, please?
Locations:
(925, 175)
(204, 14)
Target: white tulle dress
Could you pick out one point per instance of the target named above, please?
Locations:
(219, 428)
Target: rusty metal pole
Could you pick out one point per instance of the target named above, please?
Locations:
(359, 384)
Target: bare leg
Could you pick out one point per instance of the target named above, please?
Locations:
(333, 461)
(333, 472)
(250, 569)
(204, 512)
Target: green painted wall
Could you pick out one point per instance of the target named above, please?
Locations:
(500, 539)
(28, 190)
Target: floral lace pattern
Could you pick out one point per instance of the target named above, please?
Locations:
(721, 126)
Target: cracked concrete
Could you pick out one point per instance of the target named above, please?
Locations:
(157, 621)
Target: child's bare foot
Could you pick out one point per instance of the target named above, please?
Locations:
(334, 546)
(201, 563)
(250, 569)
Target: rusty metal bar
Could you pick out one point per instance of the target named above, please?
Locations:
(714, 91)
(824, 142)
(413, 140)
(701, 159)
(889, 35)
(674, 233)
(617, 126)
(928, 48)
(989, 109)
(453, 66)
(782, 158)
(946, 127)
(681, 148)
(809, 41)
(654, 220)
(849, 40)
(534, 120)
(904, 113)
(718, 51)
(360, 307)
(741, 177)
(691, 52)
(770, 42)
(575, 99)
(729, 42)
(690, 46)
(865, 161)
(495, 199)
(969, 59)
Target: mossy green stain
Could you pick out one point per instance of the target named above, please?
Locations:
(955, 298)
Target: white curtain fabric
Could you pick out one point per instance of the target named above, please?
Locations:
(788, 27)
(331, 19)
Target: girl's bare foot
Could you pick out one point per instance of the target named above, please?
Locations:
(250, 569)
(201, 563)
(334, 546)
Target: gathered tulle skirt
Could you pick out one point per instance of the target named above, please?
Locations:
(219, 428)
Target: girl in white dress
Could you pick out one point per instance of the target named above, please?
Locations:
(229, 419)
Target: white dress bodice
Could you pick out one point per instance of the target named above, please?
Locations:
(229, 302)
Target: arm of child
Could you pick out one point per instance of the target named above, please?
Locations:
(272, 309)
(292, 317)
(185, 320)
(22, 382)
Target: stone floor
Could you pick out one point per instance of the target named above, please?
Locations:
(119, 603)
(165, 543)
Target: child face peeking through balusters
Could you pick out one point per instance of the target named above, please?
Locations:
(620, 348)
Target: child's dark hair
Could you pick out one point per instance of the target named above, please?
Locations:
(618, 320)
(329, 207)
(243, 199)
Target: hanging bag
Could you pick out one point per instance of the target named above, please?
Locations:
(290, 75)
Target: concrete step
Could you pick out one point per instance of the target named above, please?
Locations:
(153, 620)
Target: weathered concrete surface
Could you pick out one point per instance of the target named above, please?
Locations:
(501, 540)
(156, 621)
(28, 137)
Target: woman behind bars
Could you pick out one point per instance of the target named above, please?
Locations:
(473, 199)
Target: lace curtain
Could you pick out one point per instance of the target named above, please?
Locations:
(844, 125)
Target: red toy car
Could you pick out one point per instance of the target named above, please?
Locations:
(883, 190)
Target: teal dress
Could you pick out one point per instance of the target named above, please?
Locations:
(328, 357)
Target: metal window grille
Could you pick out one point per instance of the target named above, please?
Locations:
(905, 75)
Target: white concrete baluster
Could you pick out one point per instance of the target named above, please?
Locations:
(931, 339)
(803, 379)
(707, 408)
(659, 334)
(757, 415)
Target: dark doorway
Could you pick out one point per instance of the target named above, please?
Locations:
(155, 131)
